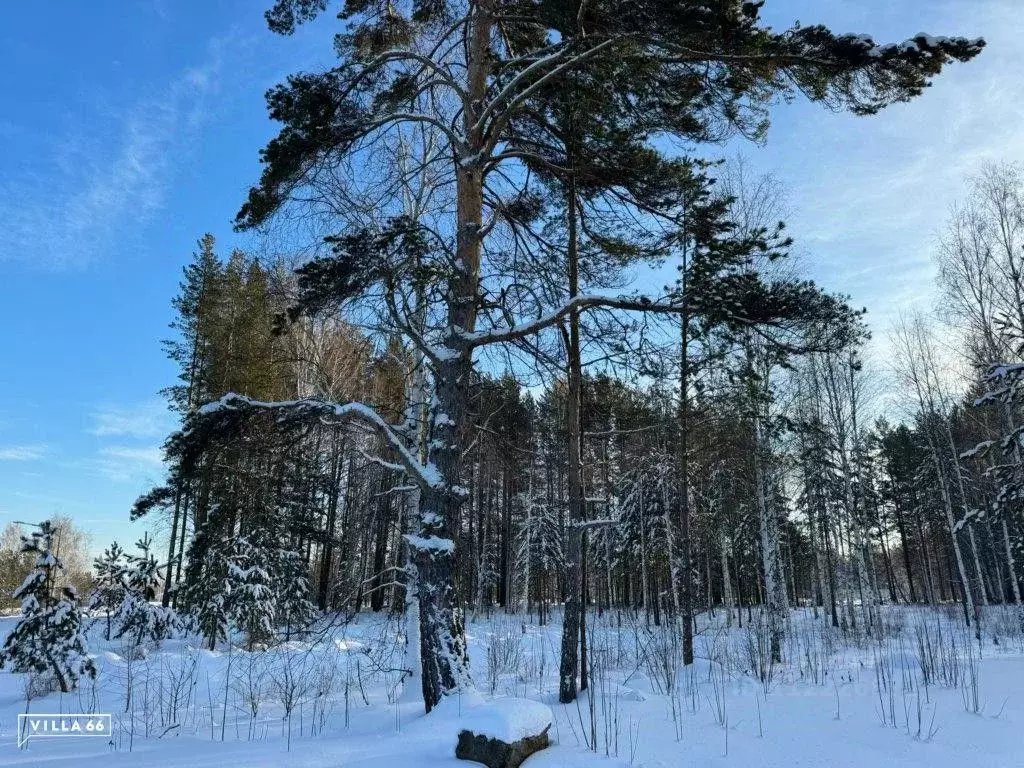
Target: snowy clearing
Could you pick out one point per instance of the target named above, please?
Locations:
(855, 702)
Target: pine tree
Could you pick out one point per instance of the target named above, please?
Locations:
(138, 618)
(49, 638)
(693, 70)
(109, 583)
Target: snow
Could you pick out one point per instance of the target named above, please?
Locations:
(977, 450)
(442, 354)
(432, 475)
(430, 542)
(1007, 369)
(29, 582)
(508, 719)
(47, 560)
(821, 708)
(920, 42)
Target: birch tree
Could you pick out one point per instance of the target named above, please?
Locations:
(918, 367)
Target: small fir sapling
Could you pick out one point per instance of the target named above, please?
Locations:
(295, 610)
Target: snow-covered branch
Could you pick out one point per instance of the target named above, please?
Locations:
(582, 525)
(426, 476)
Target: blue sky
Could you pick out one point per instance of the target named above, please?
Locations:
(131, 127)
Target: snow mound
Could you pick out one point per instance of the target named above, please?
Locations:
(507, 719)
(629, 694)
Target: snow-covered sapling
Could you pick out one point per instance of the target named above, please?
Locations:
(252, 603)
(49, 639)
(108, 590)
(139, 619)
(295, 610)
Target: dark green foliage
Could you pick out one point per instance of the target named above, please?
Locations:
(693, 70)
(287, 14)
(320, 121)
(252, 603)
(205, 590)
(251, 582)
(201, 291)
(160, 497)
(359, 260)
(295, 609)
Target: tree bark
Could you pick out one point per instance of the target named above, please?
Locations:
(682, 571)
(442, 629)
(569, 665)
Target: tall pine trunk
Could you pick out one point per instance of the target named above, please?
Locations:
(442, 629)
(572, 623)
(682, 571)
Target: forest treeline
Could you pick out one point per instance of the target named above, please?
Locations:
(865, 510)
(839, 488)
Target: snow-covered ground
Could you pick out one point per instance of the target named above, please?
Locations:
(836, 702)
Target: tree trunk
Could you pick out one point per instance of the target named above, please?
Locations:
(947, 504)
(327, 552)
(1011, 565)
(442, 629)
(682, 576)
(165, 599)
(905, 544)
(774, 586)
(569, 665)
(723, 549)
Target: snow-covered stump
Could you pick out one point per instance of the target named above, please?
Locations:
(504, 732)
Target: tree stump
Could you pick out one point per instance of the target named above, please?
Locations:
(504, 732)
(496, 753)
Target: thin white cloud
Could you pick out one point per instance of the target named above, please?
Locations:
(74, 205)
(150, 419)
(21, 452)
(124, 463)
(150, 456)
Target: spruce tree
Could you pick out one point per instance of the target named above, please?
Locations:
(295, 610)
(206, 588)
(196, 307)
(252, 602)
(49, 639)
